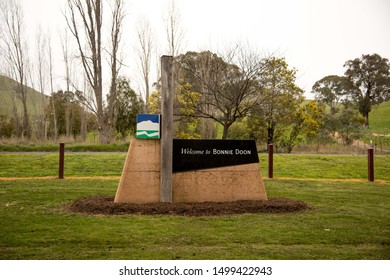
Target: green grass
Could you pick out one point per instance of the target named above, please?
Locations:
(379, 118)
(70, 147)
(347, 221)
(34, 98)
(325, 166)
(285, 165)
(40, 165)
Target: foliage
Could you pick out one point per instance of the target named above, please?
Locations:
(127, 106)
(370, 75)
(65, 111)
(187, 125)
(306, 120)
(14, 51)
(331, 90)
(239, 130)
(227, 91)
(366, 83)
(349, 124)
(343, 121)
(281, 99)
(6, 126)
(154, 102)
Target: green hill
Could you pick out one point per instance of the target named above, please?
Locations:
(35, 99)
(379, 118)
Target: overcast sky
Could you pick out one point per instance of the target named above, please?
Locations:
(315, 37)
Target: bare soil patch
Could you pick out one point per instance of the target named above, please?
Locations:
(104, 205)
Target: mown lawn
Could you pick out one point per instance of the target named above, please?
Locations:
(348, 220)
(326, 166)
(106, 164)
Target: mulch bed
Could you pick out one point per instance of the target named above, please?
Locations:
(104, 205)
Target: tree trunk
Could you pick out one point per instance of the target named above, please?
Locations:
(54, 117)
(366, 123)
(67, 118)
(105, 129)
(90, 13)
(83, 124)
(207, 129)
(16, 121)
(26, 122)
(225, 131)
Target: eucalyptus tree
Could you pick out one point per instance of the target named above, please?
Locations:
(227, 86)
(370, 74)
(332, 91)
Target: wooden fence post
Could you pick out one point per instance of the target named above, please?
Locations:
(371, 164)
(61, 162)
(167, 90)
(270, 161)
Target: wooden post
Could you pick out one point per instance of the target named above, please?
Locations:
(371, 164)
(61, 162)
(270, 161)
(167, 91)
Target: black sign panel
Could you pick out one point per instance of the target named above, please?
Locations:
(201, 154)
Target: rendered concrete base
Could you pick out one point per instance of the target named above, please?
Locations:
(140, 180)
(240, 182)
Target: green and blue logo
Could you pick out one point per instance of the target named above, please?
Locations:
(148, 126)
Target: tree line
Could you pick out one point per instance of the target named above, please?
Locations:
(91, 69)
(247, 94)
(256, 97)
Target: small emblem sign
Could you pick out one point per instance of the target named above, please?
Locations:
(148, 126)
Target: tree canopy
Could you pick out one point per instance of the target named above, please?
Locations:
(370, 76)
(227, 90)
(331, 90)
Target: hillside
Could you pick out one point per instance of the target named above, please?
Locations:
(34, 98)
(379, 118)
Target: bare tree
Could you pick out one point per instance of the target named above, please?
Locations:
(68, 93)
(41, 64)
(117, 16)
(228, 87)
(51, 87)
(144, 51)
(175, 32)
(13, 48)
(85, 20)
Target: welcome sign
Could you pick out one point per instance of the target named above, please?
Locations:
(203, 154)
(148, 126)
(203, 170)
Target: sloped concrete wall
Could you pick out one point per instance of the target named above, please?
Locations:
(140, 180)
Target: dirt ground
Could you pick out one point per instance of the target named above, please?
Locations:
(104, 205)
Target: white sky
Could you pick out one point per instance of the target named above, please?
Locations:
(315, 36)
